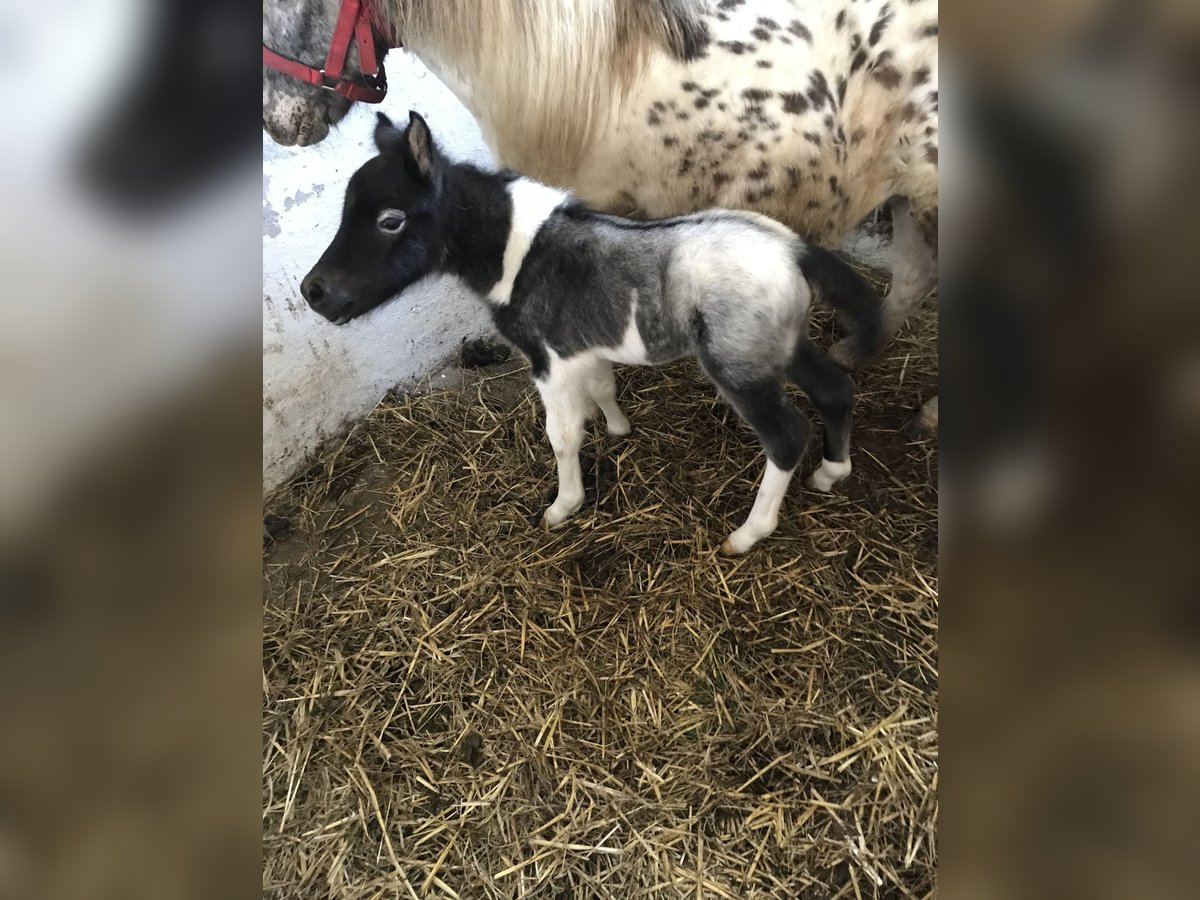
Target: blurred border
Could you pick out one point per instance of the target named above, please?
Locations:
(130, 451)
(1071, 430)
(129, 460)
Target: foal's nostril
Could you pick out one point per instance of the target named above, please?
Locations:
(313, 290)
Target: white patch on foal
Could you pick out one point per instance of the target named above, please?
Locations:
(569, 390)
(826, 475)
(532, 204)
(632, 349)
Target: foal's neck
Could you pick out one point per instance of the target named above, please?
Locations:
(477, 223)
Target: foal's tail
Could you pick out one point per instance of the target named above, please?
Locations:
(855, 303)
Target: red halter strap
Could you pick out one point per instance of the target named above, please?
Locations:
(353, 22)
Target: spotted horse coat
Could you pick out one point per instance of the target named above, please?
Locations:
(813, 113)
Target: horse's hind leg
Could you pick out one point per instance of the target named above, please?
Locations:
(603, 389)
(783, 431)
(832, 393)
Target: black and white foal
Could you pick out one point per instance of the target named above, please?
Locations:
(577, 290)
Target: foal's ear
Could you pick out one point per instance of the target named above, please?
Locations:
(420, 152)
(388, 138)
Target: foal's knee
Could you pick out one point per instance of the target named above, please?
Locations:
(566, 435)
(566, 412)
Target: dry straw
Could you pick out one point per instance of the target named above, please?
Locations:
(457, 704)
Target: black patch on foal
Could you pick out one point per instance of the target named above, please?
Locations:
(481, 208)
(831, 392)
(572, 290)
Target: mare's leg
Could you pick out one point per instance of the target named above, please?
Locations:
(832, 393)
(783, 431)
(913, 256)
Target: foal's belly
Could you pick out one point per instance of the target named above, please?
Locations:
(650, 339)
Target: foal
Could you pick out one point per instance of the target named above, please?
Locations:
(576, 291)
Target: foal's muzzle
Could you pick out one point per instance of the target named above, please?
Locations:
(327, 299)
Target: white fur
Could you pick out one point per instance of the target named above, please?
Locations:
(764, 515)
(565, 399)
(723, 255)
(631, 351)
(829, 473)
(603, 389)
(532, 204)
(569, 391)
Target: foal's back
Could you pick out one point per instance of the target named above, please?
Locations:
(654, 291)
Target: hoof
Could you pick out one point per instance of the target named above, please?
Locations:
(927, 419)
(818, 483)
(826, 475)
(736, 545)
(550, 520)
(847, 355)
(549, 525)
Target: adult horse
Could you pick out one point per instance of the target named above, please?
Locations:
(813, 112)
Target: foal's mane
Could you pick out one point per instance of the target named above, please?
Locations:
(545, 73)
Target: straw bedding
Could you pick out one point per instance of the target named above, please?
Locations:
(458, 704)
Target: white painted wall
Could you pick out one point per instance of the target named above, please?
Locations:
(318, 378)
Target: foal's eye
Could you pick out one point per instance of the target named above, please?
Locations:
(390, 221)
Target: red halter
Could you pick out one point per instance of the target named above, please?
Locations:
(354, 21)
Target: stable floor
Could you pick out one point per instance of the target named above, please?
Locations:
(458, 704)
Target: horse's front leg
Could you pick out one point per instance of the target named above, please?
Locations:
(567, 403)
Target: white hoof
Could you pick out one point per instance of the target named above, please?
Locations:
(558, 513)
(928, 417)
(829, 473)
(619, 427)
(737, 544)
(745, 538)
